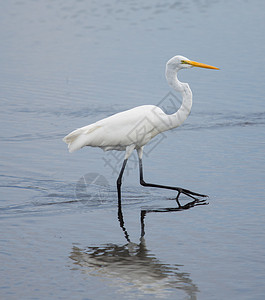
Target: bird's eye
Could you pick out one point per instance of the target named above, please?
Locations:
(184, 62)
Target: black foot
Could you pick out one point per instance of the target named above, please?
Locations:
(191, 195)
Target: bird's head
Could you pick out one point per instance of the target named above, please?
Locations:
(181, 62)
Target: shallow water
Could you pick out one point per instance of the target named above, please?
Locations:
(68, 64)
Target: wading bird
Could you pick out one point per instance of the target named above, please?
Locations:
(134, 128)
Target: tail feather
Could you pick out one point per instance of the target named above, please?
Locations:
(79, 138)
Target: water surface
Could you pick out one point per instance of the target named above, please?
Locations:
(67, 64)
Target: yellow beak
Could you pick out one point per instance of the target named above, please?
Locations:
(200, 65)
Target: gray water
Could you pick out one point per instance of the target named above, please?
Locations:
(65, 64)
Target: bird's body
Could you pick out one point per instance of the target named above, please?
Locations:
(134, 128)
(117, 131)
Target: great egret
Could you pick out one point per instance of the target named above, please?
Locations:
(134, 128)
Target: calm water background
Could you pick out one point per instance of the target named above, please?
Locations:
(65, 64)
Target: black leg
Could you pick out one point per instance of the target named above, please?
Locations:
(178, 189)
(119, 180)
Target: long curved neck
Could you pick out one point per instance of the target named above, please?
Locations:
(183, 112)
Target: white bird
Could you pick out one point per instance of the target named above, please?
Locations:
(134, 128)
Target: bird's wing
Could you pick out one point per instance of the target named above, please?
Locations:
(135, 126)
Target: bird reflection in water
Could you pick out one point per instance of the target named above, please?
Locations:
(132, 267)
(167, 209)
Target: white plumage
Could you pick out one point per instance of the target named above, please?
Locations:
(136, 126)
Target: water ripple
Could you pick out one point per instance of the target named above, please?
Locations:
(55, 197)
